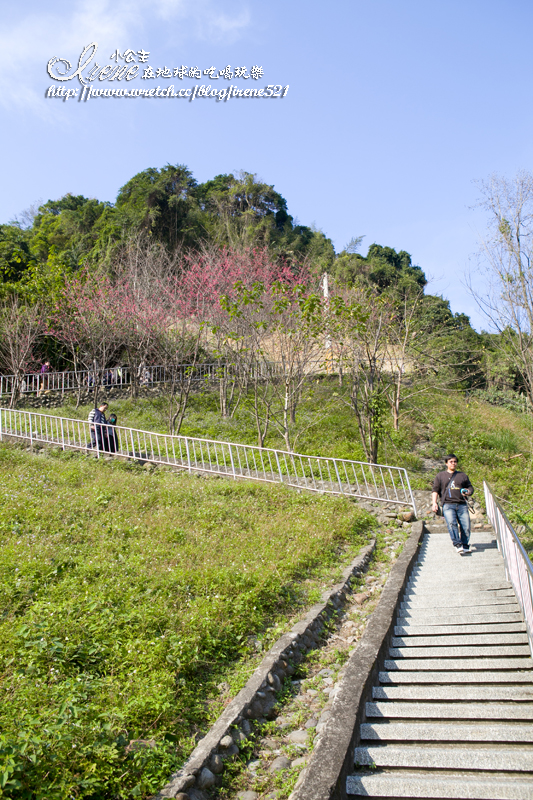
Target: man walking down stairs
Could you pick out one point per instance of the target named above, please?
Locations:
(452, 713)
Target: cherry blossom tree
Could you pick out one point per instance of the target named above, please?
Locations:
(211, 275)
(90, 319)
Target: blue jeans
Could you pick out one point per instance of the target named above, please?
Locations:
(457, 519)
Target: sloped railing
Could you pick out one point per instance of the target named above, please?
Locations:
(336, 476)
(518, 567)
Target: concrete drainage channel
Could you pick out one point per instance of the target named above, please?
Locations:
(236, 728)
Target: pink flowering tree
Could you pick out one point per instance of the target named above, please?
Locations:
(90, 320)
(212, 283)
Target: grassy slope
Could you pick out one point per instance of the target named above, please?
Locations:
(126, 597)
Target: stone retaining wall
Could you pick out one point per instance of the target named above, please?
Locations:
(49, 399)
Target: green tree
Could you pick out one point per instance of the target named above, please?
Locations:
(383, 269)
(161, 202)
(68, 228)
(15, 253)
(240, 211)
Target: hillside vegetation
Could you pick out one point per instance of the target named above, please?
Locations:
(126, 598)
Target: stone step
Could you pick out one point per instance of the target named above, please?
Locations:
(443, 588)
(466, 564)
(442, 786)
(448, 553)
(474, 558)
(460, 578)
(407, 629)
(465, 591)
(445, 551)
(435, 606)
(449, 640)
(444, 597)
(458, 667)
(462, 568)
(484, 539)
(447, 558)
(462, 651)
(397, 676)
(455, 692)
(457, 601)
(502, 759)
(470, 560)
(447, 732)
(485, 545)
(431, 710)
(441, 582)
(471, 595)
(497, 614)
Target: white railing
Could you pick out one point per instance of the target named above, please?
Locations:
(518, 567)
(69, 381)
(315, 473)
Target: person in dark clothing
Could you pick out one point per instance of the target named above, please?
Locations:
(98, 420)
(452, 488)
(111, 435)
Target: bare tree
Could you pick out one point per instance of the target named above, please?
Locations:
(359, 328)
(278, 326)
(21, 326)
(142, 273)
(178, 349)
(507, 266)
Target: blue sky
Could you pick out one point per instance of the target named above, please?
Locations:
(393, 110)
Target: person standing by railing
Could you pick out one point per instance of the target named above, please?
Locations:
(111, 443)
(452, 488)
(44, 373)
(96, 422)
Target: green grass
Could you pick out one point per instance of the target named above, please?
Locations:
(126, 598)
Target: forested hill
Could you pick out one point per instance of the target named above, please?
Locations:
(170, 207)
(167, 211)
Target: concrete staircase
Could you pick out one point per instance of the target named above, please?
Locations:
(452, 714)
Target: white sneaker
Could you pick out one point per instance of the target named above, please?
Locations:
(459, 548)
